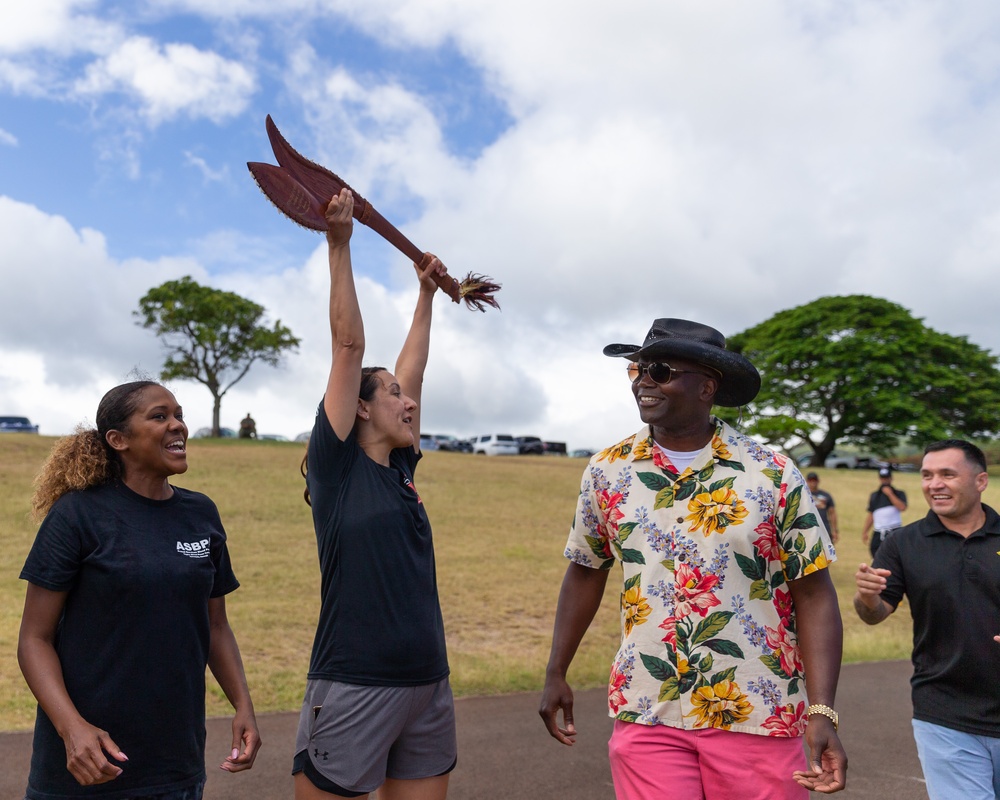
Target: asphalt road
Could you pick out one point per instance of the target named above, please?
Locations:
(506, 754)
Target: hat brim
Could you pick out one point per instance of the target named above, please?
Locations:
(740, 380)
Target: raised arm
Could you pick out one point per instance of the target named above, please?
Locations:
(347, 329)
(413, 357)
(894, 498)
(86, 745)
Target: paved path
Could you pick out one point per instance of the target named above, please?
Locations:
(506, 754)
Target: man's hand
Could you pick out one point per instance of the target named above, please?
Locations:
(870, 583)
(555, 696)
(827, 771)
(868, 600)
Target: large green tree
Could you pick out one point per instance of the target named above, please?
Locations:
(211, 336)
(865, 371)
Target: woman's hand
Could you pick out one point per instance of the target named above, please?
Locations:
(428, 267)
(86, 746)
(245, 735)
(339, 218)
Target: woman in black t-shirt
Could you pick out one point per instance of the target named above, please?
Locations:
(378, 711)
(124, 608)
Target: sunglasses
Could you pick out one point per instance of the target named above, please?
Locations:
(661, 372)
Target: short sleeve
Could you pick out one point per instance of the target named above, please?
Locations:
(225, 579)
(589, 543)
(57, 553)
(871, 502)
(803, 539)
(887, 557)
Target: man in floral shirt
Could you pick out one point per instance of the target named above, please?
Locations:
(728, 612)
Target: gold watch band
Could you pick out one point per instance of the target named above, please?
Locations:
(826, 711)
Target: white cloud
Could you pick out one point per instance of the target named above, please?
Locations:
(712, 162)
(209, 174)
(59, 26)
(171, 80)
(8, 139)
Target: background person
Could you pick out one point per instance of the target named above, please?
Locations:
(248, 427)
(948, 567)
(124, 608)
(378, 710)
(885, 507)
(825, 505)
(729, 616)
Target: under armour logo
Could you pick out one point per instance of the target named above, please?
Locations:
(322, 755)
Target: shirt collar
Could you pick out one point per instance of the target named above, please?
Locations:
(644, 446)
(931, 524)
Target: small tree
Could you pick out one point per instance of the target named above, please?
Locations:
(864, 370)
(211, 336)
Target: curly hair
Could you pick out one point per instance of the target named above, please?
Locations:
(369, 385)
(85, 459)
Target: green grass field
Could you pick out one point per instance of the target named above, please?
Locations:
(500, 525)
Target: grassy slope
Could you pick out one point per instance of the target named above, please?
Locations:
(499, 523)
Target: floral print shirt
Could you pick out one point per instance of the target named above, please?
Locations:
(707, 619)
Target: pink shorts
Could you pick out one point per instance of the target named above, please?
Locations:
(656, 761)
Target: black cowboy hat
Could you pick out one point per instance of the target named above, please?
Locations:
(699, 344)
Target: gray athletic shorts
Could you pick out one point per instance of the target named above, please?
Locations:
(357, 736)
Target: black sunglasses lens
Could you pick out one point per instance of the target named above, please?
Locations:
(659, 372)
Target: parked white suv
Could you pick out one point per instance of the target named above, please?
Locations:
(495, 444)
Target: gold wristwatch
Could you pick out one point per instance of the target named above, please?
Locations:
(826, 711)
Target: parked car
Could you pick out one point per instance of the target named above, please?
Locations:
(428, 442)
(530, 445)
(17, 425)
(452, 444)
(581, 453)
(206, 433)
(304, 436)
(272, 437)
(554, 448)
(847, 461)
(495, 444)
(840, 461)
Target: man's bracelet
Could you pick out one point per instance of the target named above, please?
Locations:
(826, 711)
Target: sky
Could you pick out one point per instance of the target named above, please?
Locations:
(607, 163)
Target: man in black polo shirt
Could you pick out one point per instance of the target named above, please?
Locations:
(885, 508)
(948, 566)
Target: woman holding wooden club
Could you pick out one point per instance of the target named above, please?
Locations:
(378, 710)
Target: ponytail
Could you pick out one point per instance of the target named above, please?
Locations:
(76, 462)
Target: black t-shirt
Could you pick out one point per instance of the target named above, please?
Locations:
(824, 502)
(380, 620)
(134, 637)
(953, 587)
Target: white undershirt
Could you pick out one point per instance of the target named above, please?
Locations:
(682, 459)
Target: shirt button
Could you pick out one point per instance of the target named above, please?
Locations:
(680, 520)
